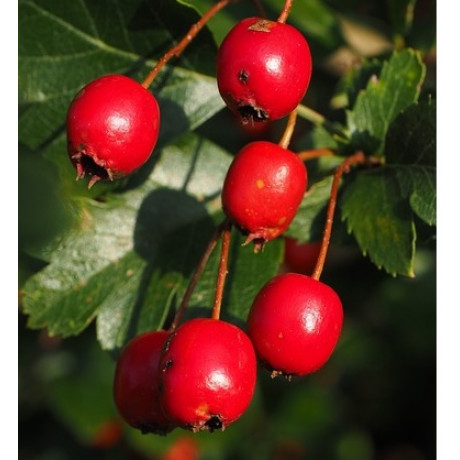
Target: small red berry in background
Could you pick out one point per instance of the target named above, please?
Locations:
(136, 383)
(208, 374)
(112, 128)
(263, 189)
(300, 257)
(263, 69)
(108, 434)
(183, 448)
(295, 323)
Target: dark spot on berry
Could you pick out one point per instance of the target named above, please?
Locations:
(243, 76)
(214, 423)
(168, 364)
(91, 168)
(249, 112)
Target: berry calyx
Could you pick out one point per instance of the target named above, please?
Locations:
(112, 128)
(263, 69)
(295, 323)
(263, 189)
(301, 257)
(208, 374)
(136, 383)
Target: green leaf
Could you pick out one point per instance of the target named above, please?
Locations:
(411, 152)
(309, 221)
(130, 258)
(419, 185)
(64, 45)
(247, 273)
(42, 213)
(385, 96)
(379, 218)
(114, 242)
(411, 138)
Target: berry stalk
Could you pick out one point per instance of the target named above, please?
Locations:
(286, 10)
(289, 131)
(306, 155)
(223, 270)
(344, 167)
(196, 275)
(177, 50)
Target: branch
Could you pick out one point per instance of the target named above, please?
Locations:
(344, 167)
(189, 36)
(196, 275)
(223, 270)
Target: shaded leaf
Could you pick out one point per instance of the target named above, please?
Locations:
(114, 241)
(309, 221)
(411, 138)
(379, 218)
(130, 258)
(419, 185)
(411, 151)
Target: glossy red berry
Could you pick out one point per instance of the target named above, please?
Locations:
(301, 257)
(263, 189)
(136, 383)
(263, 69)
(208, 374)
(295, 324)
(112, 127)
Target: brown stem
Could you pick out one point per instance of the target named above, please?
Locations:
(344, 167)
(196, 275)
(306, 155)
(287, 135)
(189, 36)
(223, 271)
(286, 10)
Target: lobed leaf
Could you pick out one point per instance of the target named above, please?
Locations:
(379, 218)
(411, 151)
(309, 221)
(129, 260)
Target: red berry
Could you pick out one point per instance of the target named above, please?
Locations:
(208, 376)
(136, 383)
(301, 257)
(263, 190)
(263, 69)
(112, 127)
(107, 434)
(295, 324)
